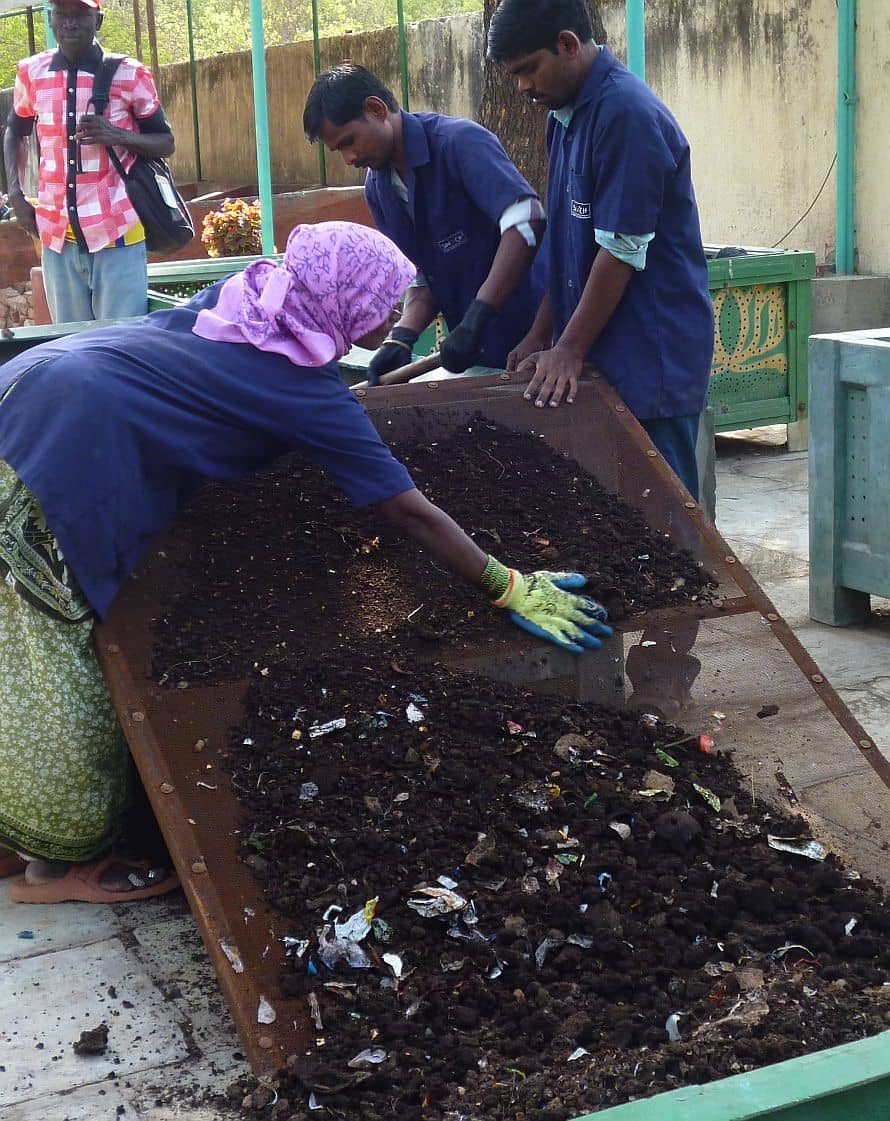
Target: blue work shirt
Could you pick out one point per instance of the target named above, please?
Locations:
(115, 429)
(622, 164)
(460, 181)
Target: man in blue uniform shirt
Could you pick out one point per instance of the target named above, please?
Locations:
(628, 282)
(445, 192)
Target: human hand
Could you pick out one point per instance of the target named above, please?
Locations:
(555, 374)
(93, 129)
(24, 213)
(395, 352)
(531, 344)
(460, 347)
(545, 605)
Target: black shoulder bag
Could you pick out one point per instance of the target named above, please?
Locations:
(149, 182)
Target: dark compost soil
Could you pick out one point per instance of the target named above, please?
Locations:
(289, 537)
(503, 905)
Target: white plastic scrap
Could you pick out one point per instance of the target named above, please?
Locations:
(371, 1056)
(621, 829)
(308, 792)
(672, 1026)
(313, 1102)
(446, 881)
(295, 947)
(544, 949)
(578, 1053)
(813, 850)
(317, 729)
(851, 925)
(332, 949)
(430, 902)
(315, 1011)
(357, 926)
(266, 1014)
(234, 957)
(395, 964)
(415, 714)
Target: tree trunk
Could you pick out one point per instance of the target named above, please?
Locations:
(519, 125)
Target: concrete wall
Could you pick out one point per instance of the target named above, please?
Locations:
(445, 75)
(872, 148)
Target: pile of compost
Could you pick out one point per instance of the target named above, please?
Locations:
(502, 905)
(281, 561)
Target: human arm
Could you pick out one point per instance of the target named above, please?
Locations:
(418, 312)
(15, 151)
(541, 603)
(555, 372)
(156, 142)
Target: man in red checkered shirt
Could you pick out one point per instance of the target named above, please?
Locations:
(94, 257)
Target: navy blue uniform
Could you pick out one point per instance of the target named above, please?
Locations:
(622, 165)
(460, 181)
(114, 429)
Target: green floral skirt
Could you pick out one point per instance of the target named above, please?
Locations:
(64, 765)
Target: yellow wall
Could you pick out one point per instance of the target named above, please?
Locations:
(873, 137)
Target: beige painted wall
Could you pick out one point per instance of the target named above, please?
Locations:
(752, 83)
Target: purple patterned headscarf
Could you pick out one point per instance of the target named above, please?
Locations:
(337, 282)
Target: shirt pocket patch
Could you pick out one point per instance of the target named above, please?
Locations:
(580, 209)
(453, 241)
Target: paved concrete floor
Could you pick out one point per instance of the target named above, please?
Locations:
(142, 969)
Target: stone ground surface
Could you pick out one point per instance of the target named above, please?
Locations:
(141, 968)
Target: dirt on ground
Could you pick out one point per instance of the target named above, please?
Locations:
(503, 905)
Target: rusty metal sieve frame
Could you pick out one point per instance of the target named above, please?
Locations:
(162, 725)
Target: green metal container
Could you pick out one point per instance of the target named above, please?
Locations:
(848, 1083)
(849, 469)
(762, 311)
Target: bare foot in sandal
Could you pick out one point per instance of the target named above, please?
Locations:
(112, 880)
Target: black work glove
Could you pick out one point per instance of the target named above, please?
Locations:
(460, 347)
(397, 350)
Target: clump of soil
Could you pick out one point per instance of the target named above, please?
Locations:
(92, 1041)
(288, 534)
(598, 940)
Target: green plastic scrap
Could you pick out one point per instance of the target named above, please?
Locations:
(709, 796)
(668, 760)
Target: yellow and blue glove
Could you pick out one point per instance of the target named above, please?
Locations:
(545, 605)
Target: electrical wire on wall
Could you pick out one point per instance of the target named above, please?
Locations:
(812, 204)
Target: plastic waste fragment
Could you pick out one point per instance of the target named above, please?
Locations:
(553, 871)
(668, 760)
(482, 850)
(566, 858)
(266, 1014)
(313, 1102)
(621, 829)
(850, 926)
(544, 949)
(415, 714)
(812, 850)
(29, 934)
(382, 930)
(605, 878)
(234, 958)
(430, 902)
(657, 783)
(530, 884)
(395, 964)
(308, 792)
(371, 1056)
(709, 796)
(317, 729)
(783, 950)
(357, 926)
(315, 1011)
(293, 947)
(535, 796)
(578, 1053)
(570, 746)
(446, 881)
(672, 1026)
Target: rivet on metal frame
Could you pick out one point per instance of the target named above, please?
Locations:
(773, 617)
(433, 384)
(113, 648)
(504, 376)
(198, 867)
(730, 560)
(691, 505)
(652, 453)
(818, 678)
(620, 408)
(166, 788)
(866, 745)
(137, 716)
(359, 392)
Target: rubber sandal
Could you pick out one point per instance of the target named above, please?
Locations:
(11, 864)
(80, 884)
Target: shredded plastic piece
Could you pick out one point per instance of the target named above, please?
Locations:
(812, 850)
(233, 956)
(266, 1014)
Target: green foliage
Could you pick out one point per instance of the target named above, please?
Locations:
(222, 26)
